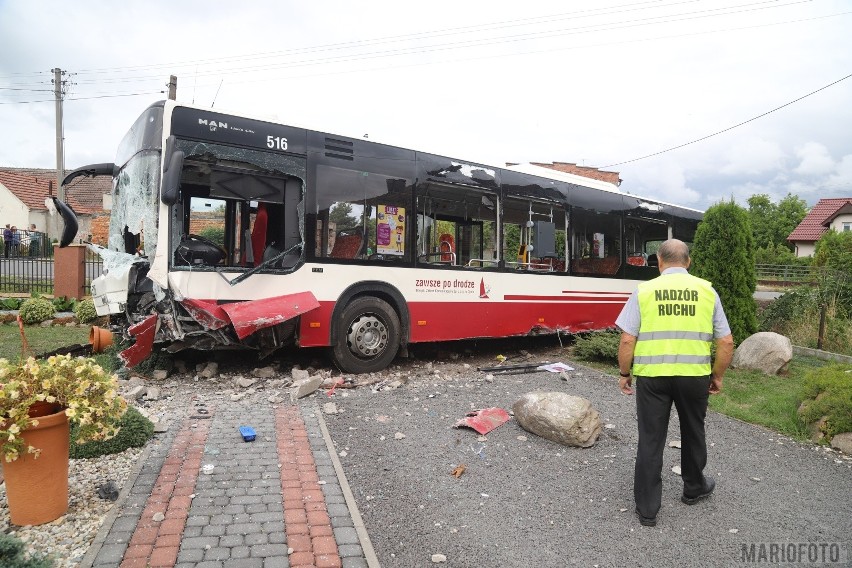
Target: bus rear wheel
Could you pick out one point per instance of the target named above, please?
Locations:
(367, 337)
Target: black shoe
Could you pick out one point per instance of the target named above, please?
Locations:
(709, 486)
(646, 521)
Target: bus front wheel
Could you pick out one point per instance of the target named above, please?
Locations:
(368, 336)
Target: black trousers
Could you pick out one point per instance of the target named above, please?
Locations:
(654, 397)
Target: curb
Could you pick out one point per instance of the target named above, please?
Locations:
(360, 528)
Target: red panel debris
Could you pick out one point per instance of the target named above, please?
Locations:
(248, 317)
(144, 332)
(485, 420)
(206, 312)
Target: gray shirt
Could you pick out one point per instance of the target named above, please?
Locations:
(629, 319)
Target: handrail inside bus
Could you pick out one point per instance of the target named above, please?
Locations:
(482, 262)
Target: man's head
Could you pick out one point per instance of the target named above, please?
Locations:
(673, 253)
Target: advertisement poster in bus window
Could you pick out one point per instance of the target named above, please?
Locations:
(390, 230)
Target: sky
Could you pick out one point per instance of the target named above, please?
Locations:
(692, 101)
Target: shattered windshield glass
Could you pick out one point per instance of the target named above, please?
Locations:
(220, 154)
(135, 202)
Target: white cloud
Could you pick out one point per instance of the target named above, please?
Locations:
(751, 157)
(815, 160)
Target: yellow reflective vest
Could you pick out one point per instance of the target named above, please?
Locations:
(676, 327)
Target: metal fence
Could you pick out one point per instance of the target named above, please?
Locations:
(35, 275)
(782, 272)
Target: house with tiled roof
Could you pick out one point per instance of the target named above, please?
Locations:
(828, 214)
(23, 191)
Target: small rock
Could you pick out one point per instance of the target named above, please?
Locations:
(152, 393)
(237, 396)
(264, 372)
(210, 370)
(754, 478)
(438, 558)
(522, 438)
(733, 531)
(399, 436)
(244, 382)
(158, 516)
(160, 374)
(676, 469)
(136, 393)
(299, 374)
(489, 378)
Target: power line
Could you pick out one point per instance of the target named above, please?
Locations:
(482, 42)
(729, 128)
(83, 98)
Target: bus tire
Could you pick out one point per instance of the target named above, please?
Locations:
(368, 336)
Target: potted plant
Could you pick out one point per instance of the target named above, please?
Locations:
(37, 399)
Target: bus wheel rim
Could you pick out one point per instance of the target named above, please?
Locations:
(368, 336)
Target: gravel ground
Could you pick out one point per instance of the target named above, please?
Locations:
(522, 501)
(525, 501)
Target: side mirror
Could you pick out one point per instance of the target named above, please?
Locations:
(171, 178)
(69, 220)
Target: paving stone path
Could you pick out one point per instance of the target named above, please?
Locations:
(205, 498)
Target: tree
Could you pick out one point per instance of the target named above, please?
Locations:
(723, 253)
(772, 223)
(341, 215)
(789, 213)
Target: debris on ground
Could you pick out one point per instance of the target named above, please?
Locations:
(484, 420)
(458, 471)
(555, 367)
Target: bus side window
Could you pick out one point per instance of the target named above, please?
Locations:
(596, 243)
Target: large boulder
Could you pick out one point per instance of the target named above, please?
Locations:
(842, 442)
(765, 351)
(559, 417)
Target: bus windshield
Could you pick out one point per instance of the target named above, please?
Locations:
(135, 202)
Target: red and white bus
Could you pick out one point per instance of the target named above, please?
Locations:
(230, 232)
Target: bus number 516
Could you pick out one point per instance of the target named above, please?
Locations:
(276, 142)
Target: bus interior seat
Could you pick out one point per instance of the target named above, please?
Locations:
(348, 244)
(446, 245)
(258, 232)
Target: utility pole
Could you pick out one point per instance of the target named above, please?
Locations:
(60, 151)
(172, 87)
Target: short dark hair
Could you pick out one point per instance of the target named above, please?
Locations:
(674, 252)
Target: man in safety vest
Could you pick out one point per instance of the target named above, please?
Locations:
(667, 327)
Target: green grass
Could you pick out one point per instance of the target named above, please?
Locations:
(769, 401)
(40, 339)
(751, 396)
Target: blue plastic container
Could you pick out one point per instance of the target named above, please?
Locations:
(247, 433)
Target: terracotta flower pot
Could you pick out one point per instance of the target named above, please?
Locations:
(100, 339)
(37, 488)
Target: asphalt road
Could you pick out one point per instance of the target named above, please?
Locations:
(524, 501)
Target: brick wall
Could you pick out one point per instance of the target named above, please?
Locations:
(593, 173)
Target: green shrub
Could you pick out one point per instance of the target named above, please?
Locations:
(10, 303)
(791, 305)
(85, 311)
(598, 346)
(64, 304)
(134, 431)
(827, 391)
(36, 310)
(723, 253)
(12, 554)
